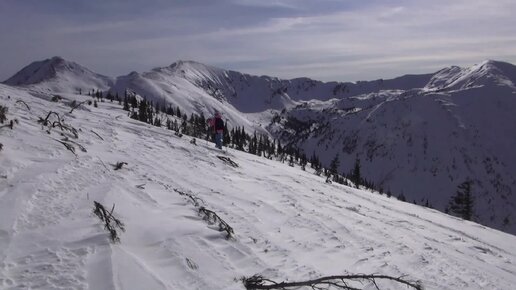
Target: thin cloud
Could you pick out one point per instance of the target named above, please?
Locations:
(324, 39)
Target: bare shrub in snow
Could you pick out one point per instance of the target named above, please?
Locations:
(57, 123)
(74, 105)
(227, 160)
(212, 217)
(196, 201)
(119, 165)
(3, 114)
(111, 223)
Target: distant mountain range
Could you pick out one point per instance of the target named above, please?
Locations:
(416, 135)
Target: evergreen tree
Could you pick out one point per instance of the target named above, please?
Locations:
(334, 165)
(461, 204)
(142, 111)
(355, 175)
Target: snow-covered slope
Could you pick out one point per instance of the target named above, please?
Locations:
(288, 223)
(423, 143)
(417, 135)
(486, 73)
(59, 76)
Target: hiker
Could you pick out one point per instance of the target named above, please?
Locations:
(217, 125)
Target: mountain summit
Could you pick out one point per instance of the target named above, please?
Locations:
(59, 75)
(485, 73)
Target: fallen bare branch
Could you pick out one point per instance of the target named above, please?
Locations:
(78, 145)
(195, 200)
(119, 165)
(68, 146)
(339, 282)
(97, 135)
(212, 217)
(227, 160)
(111, 223)
(22, 102)
(77, 106)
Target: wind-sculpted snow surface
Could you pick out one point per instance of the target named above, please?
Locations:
(288, 224)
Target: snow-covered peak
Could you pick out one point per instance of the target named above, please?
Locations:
(488, 72)
(59, 75)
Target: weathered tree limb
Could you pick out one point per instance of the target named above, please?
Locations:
(10, 125)
(68, 146)
(45, 121)
(119, 165)
(59, 123)
(227, 160)
(77, 106)
(20, 101)
(97, 135)
(195, 200)
(212, 217)
(339, 282)
(78, 145)
(111, 223)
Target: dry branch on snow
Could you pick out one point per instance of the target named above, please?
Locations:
(111, 223)
(337, 282)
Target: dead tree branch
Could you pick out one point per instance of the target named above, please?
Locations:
(212, 217)
(119, 165)
(97, 135)
(10, 125)
(111, 223)
(3, 114)
(78, 105)
(196, 201)
(68, 146)
(76, 143)
(59, 123)
(227, 160)
(339, 282)
(44, 122)
(22, 102)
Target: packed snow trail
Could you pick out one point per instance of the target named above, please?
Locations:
(288, 223)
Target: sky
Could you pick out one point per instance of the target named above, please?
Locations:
(329, 40)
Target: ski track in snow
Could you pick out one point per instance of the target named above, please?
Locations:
(288, 224)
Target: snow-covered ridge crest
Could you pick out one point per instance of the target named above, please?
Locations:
(488, 72)
(59, 75)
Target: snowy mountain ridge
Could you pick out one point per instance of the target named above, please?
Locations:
(481, 74)
(59, 75)
(288, 224)
(416, 135)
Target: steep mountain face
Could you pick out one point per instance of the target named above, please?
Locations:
(416, 135)
(423, 143)
(59, 75)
